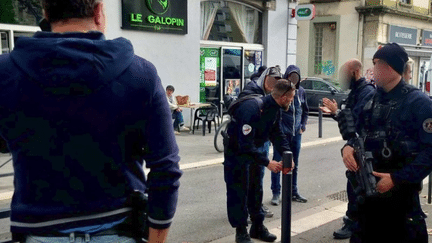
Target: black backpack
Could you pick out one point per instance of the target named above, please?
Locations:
(234, 103)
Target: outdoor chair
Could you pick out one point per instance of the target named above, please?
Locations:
(206, 115)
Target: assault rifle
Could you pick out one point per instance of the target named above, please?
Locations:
(363, 181)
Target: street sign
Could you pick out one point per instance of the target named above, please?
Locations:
(305, 12)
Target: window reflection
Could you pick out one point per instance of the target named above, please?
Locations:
(23, 12)
(230, 22)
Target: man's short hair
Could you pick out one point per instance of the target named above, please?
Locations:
(57, 10)
(170, 87)
(282, 87)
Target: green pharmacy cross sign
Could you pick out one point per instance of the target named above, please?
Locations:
(164, 16)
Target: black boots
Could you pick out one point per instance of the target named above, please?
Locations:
(347, 229)
(242, 235)
(259, 231)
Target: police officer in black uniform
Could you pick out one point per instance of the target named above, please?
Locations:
(361, 93)
(396, 125)
(254, 121)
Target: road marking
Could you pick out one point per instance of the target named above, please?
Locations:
(220, 160)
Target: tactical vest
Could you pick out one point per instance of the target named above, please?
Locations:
(392, 148)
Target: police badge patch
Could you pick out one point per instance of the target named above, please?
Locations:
(246, 129)
(427, 125)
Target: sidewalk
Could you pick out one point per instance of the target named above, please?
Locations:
(196, 148)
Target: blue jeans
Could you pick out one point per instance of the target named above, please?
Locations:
(275, 178)
(93, 239)
(264, 150)
(178, 119)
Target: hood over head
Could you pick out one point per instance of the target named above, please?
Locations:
(61, 62)
(271, 71)
(292, 69)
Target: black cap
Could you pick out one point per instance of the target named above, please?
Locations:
(394, 55)
(274, 72)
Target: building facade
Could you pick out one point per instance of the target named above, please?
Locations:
(205, 48)
(344, 29)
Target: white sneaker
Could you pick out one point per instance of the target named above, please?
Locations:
(176, 133)
(184, 129)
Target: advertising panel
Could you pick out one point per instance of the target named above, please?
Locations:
(164, 16)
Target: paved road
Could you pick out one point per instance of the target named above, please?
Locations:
(201, 214)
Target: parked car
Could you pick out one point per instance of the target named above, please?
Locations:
(318, 88)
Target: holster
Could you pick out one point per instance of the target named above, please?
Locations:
(136, 225)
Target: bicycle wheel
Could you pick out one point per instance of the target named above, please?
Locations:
(218, 139)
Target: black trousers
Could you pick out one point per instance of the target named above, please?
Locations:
(391, 218)
(244, 191)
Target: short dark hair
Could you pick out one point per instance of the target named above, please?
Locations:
(282, 87)
(170, 87)
(57, 10)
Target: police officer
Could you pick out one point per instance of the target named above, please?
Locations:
(254, 121)
(397, 128)
(361, 93)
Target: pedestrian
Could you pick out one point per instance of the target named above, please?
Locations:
(71, 111)
(397, 129)
(254, 121)
(407, 73)
(293, 125)
(361, 92)
(258, 74)
(263, 86)
(177, 114)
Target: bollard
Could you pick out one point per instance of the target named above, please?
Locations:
(287, 159)
(320, 117)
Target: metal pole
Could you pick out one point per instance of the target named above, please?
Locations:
(429, 188)
(287, 159)
(320, 116)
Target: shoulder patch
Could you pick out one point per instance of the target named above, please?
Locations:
(427, 125)
(246, 129)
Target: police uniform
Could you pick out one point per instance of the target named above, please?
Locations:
(252, 125)
(397, 127)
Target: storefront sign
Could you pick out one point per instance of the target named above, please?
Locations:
(165, 16)
(305, 12)
(209, 65)
(403, 35)
(427, 38)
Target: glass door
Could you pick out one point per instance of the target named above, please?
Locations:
(252, 62)
(232, 71)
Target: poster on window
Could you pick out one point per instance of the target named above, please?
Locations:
(210, 71)
(232, 87)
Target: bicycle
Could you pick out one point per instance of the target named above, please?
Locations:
(218, 138)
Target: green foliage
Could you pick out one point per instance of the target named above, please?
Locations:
(7, 13)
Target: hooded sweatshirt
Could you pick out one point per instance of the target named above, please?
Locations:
(295, 118)
(80, 115)
(255, 86)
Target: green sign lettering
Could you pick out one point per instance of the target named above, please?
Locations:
(304, 12)
(136, 18)
(165, 20)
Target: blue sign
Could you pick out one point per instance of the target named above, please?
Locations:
(403, 35)
(427, 38)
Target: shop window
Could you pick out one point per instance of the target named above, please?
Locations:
(325, 48)
(230, 22)
(4, 43)
(23, 12)
(409, 2)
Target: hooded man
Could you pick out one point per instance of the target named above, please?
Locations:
(293, 125)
